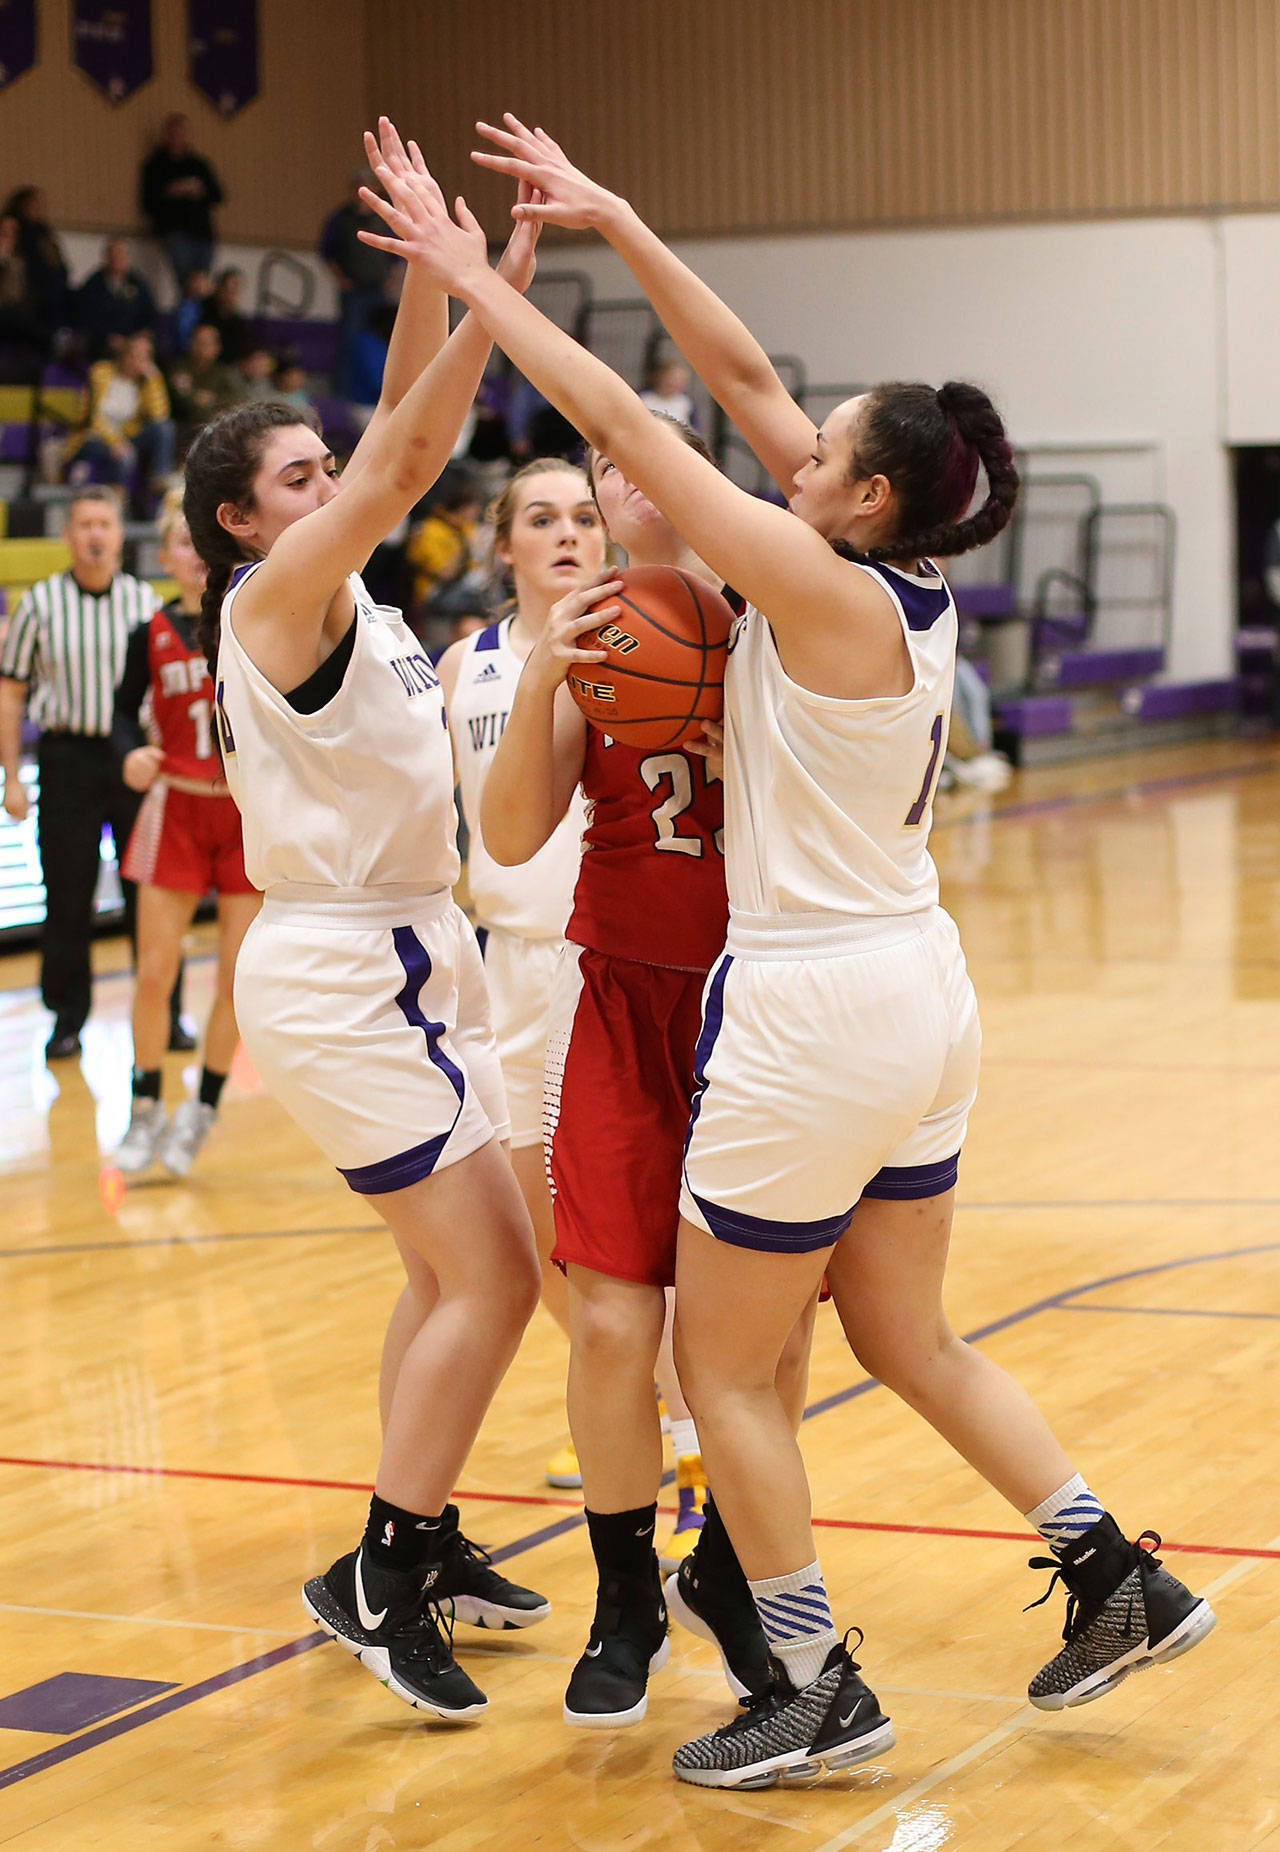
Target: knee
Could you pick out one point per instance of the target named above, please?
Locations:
(523, 1284)
(912, 1363)
(156, 970)
(607, 1335)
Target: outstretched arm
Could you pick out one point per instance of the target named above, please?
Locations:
(311, 558)
(723, 352)
(776, 561)
(538, 764)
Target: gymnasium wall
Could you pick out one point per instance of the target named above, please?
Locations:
(731, 115)
(284, 162)
(1102, 342)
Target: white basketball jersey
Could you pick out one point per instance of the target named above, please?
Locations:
(828, 802)
(533, 900)
(357, 795)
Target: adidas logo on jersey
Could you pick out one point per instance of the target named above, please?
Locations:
(489, 673)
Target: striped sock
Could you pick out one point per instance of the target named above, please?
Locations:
(796, 1617)
(1066, 1514)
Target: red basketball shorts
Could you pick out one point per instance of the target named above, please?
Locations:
(619, 1078)
(187, 842)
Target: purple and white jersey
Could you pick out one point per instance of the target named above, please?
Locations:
(828, 802)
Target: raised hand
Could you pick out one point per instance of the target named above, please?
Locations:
(415, 212)
(569, 197)
(520, 260)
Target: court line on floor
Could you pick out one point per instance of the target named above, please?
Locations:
(61, 1752)
(1164, 1311)
(1080, 800)
(150, 1620)
(891, 1809)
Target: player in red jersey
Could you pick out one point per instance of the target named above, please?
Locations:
(648, 923)
(185, 843)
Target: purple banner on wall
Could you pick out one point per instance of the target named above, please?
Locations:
(17, 38)
(224, 51)
(111, 44)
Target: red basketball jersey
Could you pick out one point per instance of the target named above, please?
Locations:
(181, 703)
(651, 886)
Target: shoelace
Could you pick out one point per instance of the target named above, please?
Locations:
(428, 1633)
(1079, 1611)
(765, 1703)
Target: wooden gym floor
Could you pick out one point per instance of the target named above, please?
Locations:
(190, 1425)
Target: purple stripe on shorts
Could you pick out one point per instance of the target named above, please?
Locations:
(911, 1182)
(411, 1166)
(756, 1231)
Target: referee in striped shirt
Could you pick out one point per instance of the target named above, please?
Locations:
(65, 649)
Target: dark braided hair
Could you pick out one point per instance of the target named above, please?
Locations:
(221, 466)
(929, 444)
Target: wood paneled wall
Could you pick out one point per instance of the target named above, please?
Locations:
(284, 162)
(717, 115)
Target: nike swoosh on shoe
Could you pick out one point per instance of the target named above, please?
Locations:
(368, 1619)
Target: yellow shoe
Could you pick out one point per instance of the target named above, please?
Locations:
(563, 1470)
(691, 1493)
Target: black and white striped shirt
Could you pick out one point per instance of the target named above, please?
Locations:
(69, 646)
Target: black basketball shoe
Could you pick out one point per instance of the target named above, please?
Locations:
(720, 1609)
(1123, 1612)
(460, 1578)
(792, 1736)
(608, 1686)
(384, 1617)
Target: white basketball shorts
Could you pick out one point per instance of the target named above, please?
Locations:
(521, 973)
(832, 1064)
(368, 1019)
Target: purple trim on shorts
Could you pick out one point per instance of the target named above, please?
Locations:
(756, 1231)
(411, 1166)
(912, 1182)
(712, 1019)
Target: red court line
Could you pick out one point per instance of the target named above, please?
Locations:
(570, 1504)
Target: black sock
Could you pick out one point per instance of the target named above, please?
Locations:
(398, 1539)
(622, 1541)
(146, 1083)
(717, 1558)
(211, 1086)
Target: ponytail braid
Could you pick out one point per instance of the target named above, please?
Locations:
(221, 465)
(929, 444)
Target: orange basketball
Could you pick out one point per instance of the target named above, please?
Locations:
(666, 655)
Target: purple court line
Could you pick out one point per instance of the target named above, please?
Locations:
(293, 1649)
(1142, 787)
(1164, 1311)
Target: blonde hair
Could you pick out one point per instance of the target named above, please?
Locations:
(170, 513)
(505, 506)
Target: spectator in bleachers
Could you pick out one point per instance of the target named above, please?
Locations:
(224, 312)
(291, 385)
(368, 358)
(196, 291)
(114, 303)
(254, 375)
(666, 387)
(128, 434)
(199, 385)
(179, 191)
(42, 255)
(24, 337)
(450, 575)
(65, 649)
(365, 280)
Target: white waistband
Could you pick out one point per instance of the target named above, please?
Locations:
(299, 902)
(819, 935)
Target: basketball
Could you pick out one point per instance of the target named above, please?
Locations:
(665, 672)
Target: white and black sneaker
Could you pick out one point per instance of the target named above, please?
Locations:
(462, 1581)
(1123, 1612)
(608, 1686)
(137, 1150)
(719, 1608)
(387, 1620)
(792, 1736)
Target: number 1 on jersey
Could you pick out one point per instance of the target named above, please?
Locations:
(917, 810)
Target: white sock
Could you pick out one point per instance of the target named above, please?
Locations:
(684, 1438)
(1066, 1514)
(796, 1617)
